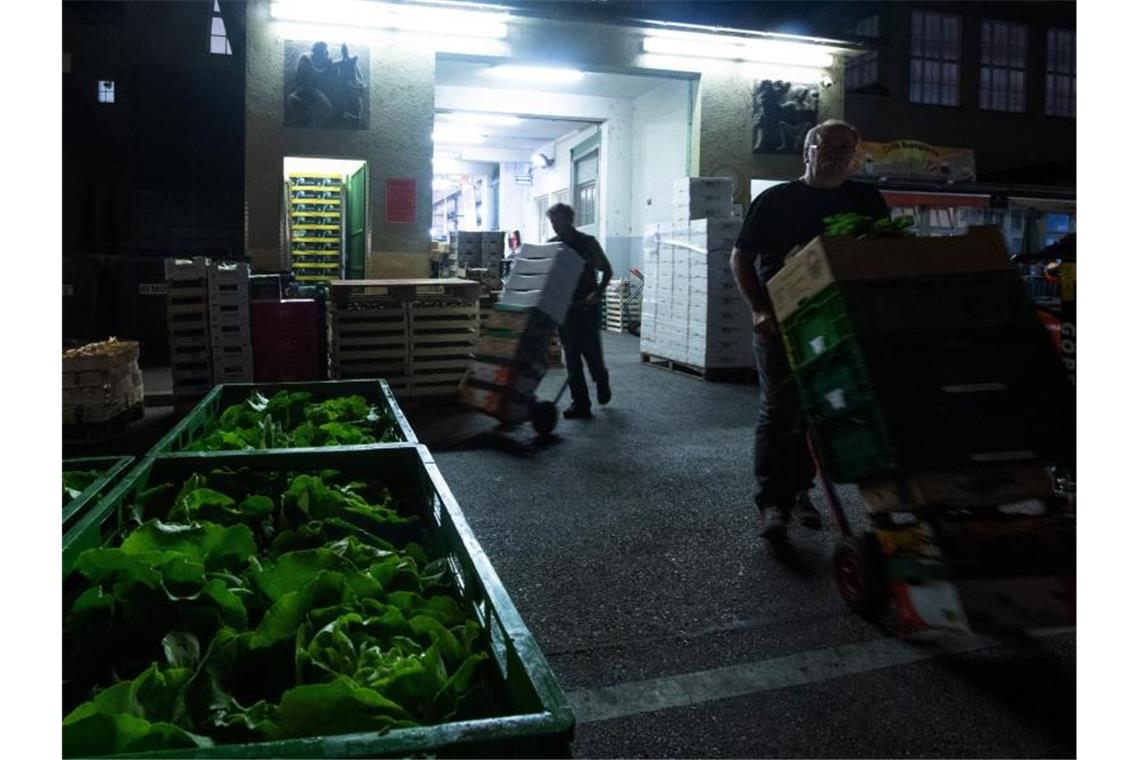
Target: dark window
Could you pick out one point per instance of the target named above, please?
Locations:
(586, 189)
(863, 69)
(1002, 86)
(935, 58)
(1061, 73)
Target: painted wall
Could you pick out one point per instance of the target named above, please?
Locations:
(660, 154)
(396, 145)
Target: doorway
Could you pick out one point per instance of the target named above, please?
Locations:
(325, 218)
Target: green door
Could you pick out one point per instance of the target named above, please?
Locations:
(355, 222)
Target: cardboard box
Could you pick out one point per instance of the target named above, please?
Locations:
(825, 260)
(720, 187)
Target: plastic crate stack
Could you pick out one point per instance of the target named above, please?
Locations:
(928, 381)
(316, 226)
(231, 346)
(188, 324)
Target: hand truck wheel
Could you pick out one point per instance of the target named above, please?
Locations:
(544, 416)
(858, 567)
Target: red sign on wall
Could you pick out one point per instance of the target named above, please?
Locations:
(400, 201)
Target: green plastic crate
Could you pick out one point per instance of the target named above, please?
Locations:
(200, 420)
(112, 469)
(878, 308)
(835, 383)
(538, 719)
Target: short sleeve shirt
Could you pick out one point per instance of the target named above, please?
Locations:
(792, 213)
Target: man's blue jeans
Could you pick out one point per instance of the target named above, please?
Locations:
(781, 460)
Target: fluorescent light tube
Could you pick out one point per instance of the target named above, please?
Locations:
(738, 49)
(535, 74)
(471, 117)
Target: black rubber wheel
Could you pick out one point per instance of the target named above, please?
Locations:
(544, 416)
(858, 568)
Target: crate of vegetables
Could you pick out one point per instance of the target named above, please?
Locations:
(295, 604)
(86, 480)
(249, 416)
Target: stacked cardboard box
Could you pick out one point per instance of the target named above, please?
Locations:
(543, 277)
(101, 382)
(231, 347)
(188, 323)
(691, 311)
(510, 360)
(702, 198)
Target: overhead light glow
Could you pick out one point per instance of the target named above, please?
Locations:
(378, 15)
(738, 49)
(471, 117)
(545, 74)
(441, 183)
(450, 137)
(795, 74)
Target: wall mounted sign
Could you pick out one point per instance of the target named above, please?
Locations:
(782, 114)
(400, 201)
(914, 159)
(326, 88)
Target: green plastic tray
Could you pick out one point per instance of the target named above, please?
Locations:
(112, 468)
(199, 421)
(538, 719)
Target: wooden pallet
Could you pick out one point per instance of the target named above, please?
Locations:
(345, 291)
(710, 374)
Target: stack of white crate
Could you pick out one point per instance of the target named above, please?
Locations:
(188, 322)
(702, 198)
(231, 347)
(691, 311)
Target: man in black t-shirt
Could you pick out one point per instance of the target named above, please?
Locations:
(581, 332)
(781, 218)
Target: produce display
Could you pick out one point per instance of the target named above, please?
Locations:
(293, 420)
(75, 482)
(244, 606)
(857, 225)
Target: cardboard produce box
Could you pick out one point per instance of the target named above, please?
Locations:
(825, 260)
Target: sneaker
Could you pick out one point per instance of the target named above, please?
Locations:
(806, 512)
(773, 523)
(604, 394)
(576, 413)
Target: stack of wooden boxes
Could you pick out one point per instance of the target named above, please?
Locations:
(102, 386)
(418, 335)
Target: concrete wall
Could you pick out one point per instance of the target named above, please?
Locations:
(660, 145)
(397, 143)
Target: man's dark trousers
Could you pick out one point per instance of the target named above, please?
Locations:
(581, 338)
(781, 460)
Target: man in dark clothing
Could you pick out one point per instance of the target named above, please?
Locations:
(580, 333)
(782, 218)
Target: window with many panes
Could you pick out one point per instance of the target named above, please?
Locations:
(935, 58)
(1061, 73)
(1002, 73)
(106, 91)
(863, 69)
(586, 189)
(219, 42)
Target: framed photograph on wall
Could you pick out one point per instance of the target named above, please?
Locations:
(326, 86)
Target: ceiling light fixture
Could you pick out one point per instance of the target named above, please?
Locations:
(738, 49)
(408, 18)
(471, 117)
(546, 74)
